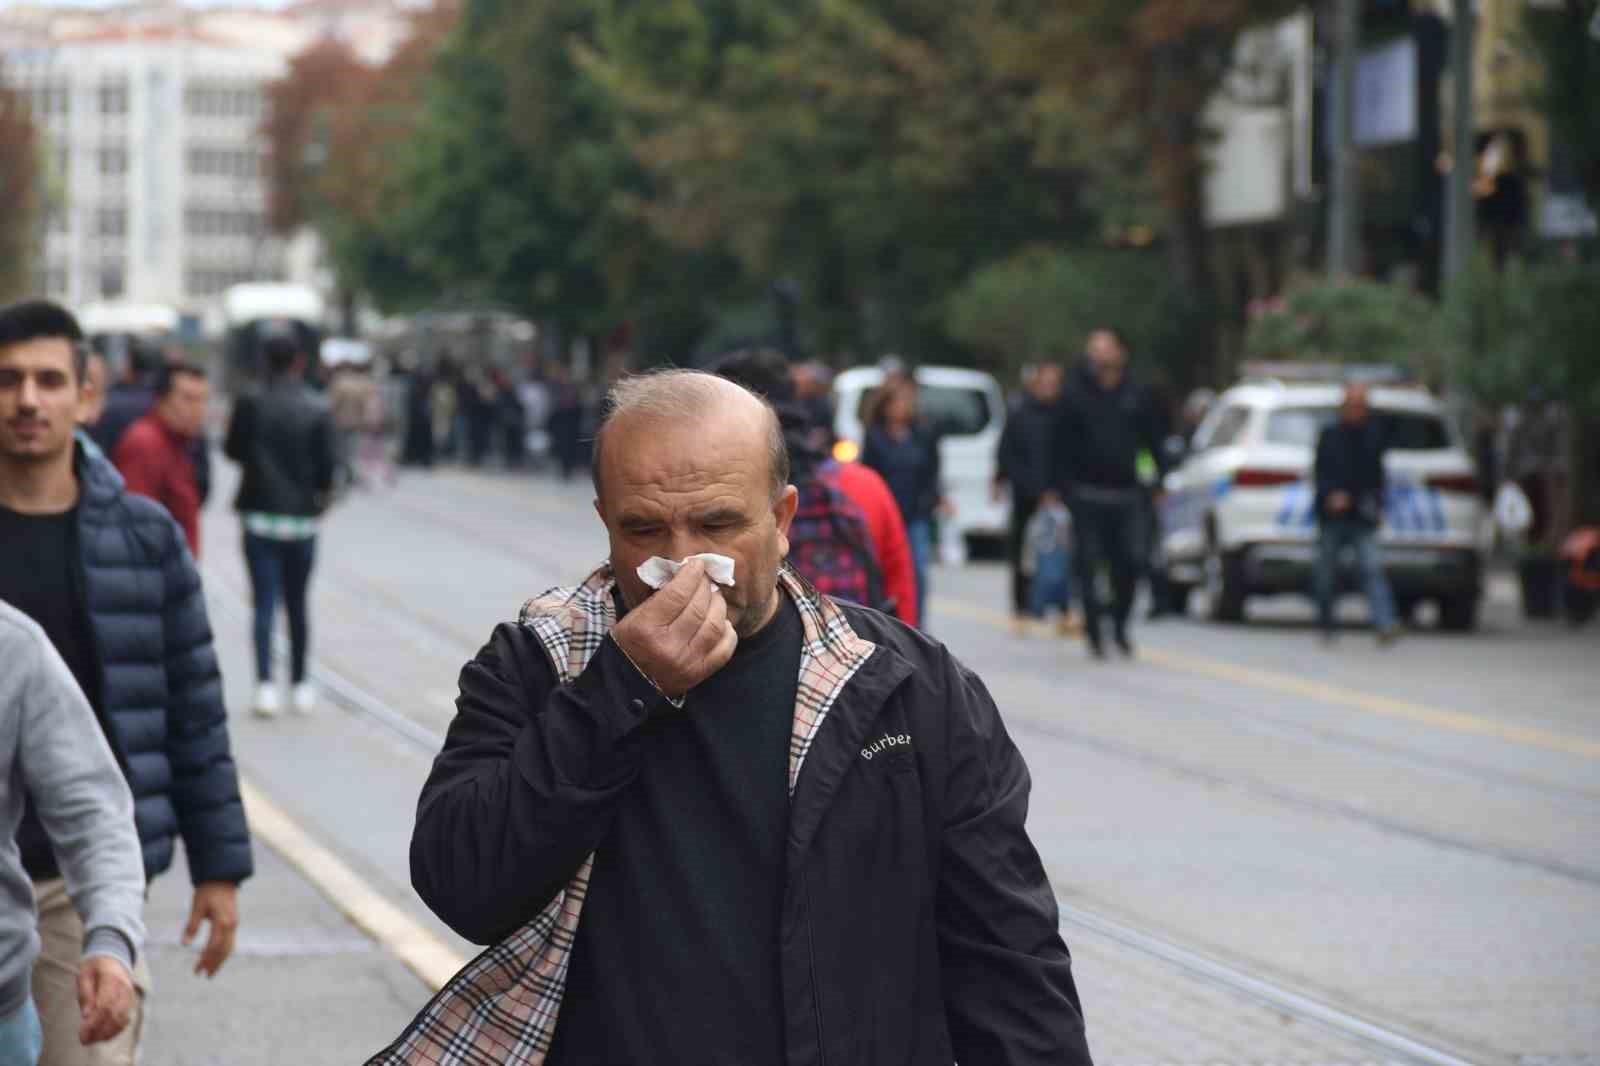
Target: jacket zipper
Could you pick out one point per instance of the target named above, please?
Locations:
(816, 988)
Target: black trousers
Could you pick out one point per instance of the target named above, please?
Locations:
(1022, 510)
(1109, 530)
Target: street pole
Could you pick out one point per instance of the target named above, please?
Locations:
(1460, 236)
(1344, 208)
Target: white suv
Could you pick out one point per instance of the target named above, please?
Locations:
(1238, 515)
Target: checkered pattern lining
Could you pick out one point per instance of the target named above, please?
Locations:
(501, 1009)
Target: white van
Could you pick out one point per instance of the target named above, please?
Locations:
(968, 410)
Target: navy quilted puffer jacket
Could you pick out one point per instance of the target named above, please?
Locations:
(160, 690)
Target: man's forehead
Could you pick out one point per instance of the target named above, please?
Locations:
(38, 352)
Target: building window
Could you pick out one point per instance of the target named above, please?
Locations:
(114, 98)
(111, 222)
(111, 280)
(50, 101)
(113, 160)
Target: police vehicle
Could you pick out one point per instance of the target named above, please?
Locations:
(1237, 519)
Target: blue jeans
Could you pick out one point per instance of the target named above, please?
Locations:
(280, 567)
(21, 1036)
(1333, 536)
(919, 532)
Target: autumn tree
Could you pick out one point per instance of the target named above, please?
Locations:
(19, 193)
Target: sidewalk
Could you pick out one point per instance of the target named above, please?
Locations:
(304, 986)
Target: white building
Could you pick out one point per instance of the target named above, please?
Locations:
(152, 115)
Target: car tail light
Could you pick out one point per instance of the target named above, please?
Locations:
(1264, 479)
(1466, 484)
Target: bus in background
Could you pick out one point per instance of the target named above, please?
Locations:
(122, 330)
(255, 310)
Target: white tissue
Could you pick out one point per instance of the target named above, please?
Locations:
(656, 571)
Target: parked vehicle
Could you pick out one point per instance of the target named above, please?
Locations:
(967, 410)
(115, 329)
(1238, 516)
(250, 310)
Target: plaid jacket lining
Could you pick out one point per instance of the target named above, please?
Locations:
(501, 1009)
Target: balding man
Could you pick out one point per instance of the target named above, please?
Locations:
(1350, 490)
(729, 825)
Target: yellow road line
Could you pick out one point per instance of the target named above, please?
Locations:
(424, 953)
(1272, 681)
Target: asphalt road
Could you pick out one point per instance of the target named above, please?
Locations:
(1266, 851)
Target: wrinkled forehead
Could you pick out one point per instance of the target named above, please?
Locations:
(720, 454)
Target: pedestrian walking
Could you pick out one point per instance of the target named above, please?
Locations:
(418, 446)
(52, 752)
(1024, 465)
(109, 579)
(1107, 422)
(699, 823)
(155, 456)
(1350, 486)
(905, 452)
(282, 437)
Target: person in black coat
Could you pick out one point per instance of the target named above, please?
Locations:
(735, 823)
(109, 578)
(1350, 487)
(1108, 421)
(1027, 448)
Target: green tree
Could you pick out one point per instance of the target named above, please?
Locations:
(1043, 303)
(1351, 320)
(862, 149)
(1122, 87)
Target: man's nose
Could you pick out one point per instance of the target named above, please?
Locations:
(28, 394)
(685, 543)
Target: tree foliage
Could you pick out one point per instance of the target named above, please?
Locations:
(1350, 321)
(19, 194)
(667, 162)
(1043, 303)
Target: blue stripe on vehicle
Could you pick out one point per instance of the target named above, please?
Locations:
(1435, 505)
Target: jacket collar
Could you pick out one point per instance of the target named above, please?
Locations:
(99, 483)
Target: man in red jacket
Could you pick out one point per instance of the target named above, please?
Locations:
(153, 455)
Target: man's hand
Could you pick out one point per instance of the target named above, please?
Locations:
(1338, 501)
(105, 998)
(680, 635)
(216, 902)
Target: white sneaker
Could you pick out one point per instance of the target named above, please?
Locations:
(267, 703)
(305, 698)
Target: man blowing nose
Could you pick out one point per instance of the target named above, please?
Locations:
(729, 824)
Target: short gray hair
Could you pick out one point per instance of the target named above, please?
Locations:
(677, 395)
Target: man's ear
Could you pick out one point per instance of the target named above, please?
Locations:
(783, 510)
(87, 396)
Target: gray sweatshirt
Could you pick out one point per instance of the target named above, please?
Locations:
(51, 748)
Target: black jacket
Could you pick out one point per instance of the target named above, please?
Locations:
(919, 925)
(1027, 448)
(160, 692)
(1101, 432)
(1350, 459)
(916, 485)
(283, 438)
